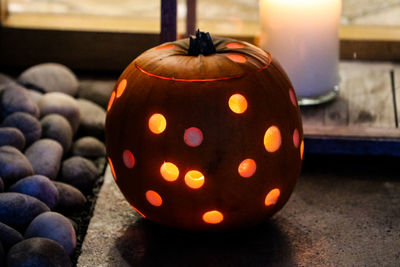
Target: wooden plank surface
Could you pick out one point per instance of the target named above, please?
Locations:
(365, 99)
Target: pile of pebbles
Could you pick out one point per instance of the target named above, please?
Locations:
(51, 155)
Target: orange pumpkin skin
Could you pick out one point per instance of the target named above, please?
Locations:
(194, 91)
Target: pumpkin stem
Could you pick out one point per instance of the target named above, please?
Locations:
(201, 44)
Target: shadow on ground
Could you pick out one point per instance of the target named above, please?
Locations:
(147, 244)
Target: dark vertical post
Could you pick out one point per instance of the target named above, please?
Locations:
(168, 21)
(191, 17)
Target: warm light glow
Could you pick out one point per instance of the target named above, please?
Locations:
(128, 159)
(247, 168)
(292, 97)
(112, 169)
(213, 217)
(133, 207)
(237, 58)
(237, 103)
(198, 79)
(154, 198)
(111, 101)
(193, 136)
(272, 139)
(169, 171)
(272, 197)
(301, 149)
(296, 138)
(194, 179)
(234, 45)
(121, 87)
(167, 46)
(157, 123)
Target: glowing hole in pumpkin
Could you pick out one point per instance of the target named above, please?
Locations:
(296, 138)
(111, 101)
(194, 179)
(272, 139)
(237, 103)
(272, 197)
(121, 87)
(128, 159)
(157, 123)
(237, 58)
(247, 168)
(112, 168)
(167, 46)
(302, 149)
(213, 217)
(234, 45)
(193, 136)
(292, 97)
(154, 198)
(133, 207)
(169, 171)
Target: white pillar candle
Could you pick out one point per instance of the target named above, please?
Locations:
(303, 36)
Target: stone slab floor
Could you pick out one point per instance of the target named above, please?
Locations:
(345, 211)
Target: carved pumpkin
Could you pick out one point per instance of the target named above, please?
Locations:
(205, 134)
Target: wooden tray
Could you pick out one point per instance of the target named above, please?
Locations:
(363, 120)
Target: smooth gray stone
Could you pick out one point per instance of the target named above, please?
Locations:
(13, 165)
(57, 127)
(93, 118)
(18, 210)
(89, 147)
(5, 79)
(97, 91)
(26, 123)
(70, 198)
(16, 98)
(45, 156)
(50, 77)
(1, 185)
(54, 226)
(35, 95)
(9, 236)
(10, 136)
(37, 186)
(63, 104)
(79, 172)
(38, 252)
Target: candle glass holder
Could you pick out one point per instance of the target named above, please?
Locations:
(303, 36)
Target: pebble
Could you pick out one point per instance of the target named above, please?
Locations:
(2, 253)
(17, 98)
(1, 185)
(13, 165)
(62, 104)
(54, 226)
(97, 91)
(35, 95)
(38, 251)
(9, 236)
(92, 122)
(5, 79)
(50, 77)
(89, 147)
(70, 198)
(26, 123)
(10, 136)
(79, 172)
(57, 127)
(45, 156)
(37, 186)
(18, 210)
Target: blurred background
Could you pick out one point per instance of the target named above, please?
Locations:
(232, 17)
